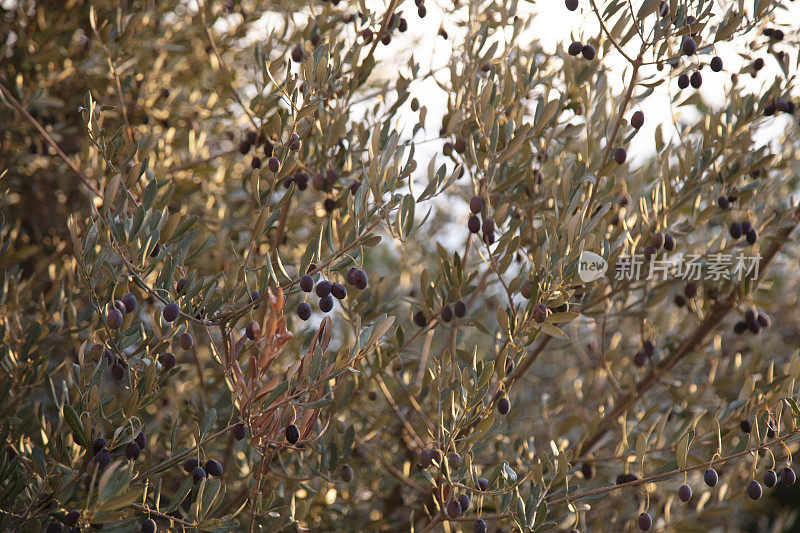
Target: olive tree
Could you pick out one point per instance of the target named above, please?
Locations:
(398, 266)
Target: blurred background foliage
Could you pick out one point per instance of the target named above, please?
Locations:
(170, 170)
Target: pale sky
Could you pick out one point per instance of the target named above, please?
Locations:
(555, 26)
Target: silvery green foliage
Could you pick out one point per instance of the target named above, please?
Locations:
(183, 165)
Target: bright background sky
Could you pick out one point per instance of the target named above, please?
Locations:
(555, 26)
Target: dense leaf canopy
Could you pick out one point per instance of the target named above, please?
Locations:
(320, 266)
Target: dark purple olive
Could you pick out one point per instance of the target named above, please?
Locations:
(453, 509)
(645, 522)
(186, 340)
(710, 477)
(446, 313)
(130, 303)
(171, 312)
(360, 278)
(474, 224)
(463, 500)
(292, 434)
(754, 490)
(199, 474)
(132, 451)
(696, 79)
(476, 204)
(168, 361)
(253, 330)
(338, 291)
(190, 464)
(503, 405)
(239, 431)
(689, 46)
(114, 318)
(214, 468)
(326, 303)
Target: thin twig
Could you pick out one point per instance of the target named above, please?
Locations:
(662, 475)
(83, 177)
(178, 456)
(153, 512)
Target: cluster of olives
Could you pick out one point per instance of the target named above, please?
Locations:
(115, 363)
(710, 477)
(540, 311)
(429, 456)
(457, 506)
(753, 321)
(695, 80)
(72, 518)
(252, 140)
(725, 201)
(689, 292)
(102, 457)
(659, 240)
(578, 48)
(127, 304)
(395, 23)
(322, 181)
(753, 489)
(299, 178)
(744, 228)
(123, 306)
(446, 313)
(459, 145)
(327, 290)
(474, 224)
(199, 471)
(779, 106)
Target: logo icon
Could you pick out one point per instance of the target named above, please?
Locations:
(591, 266)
